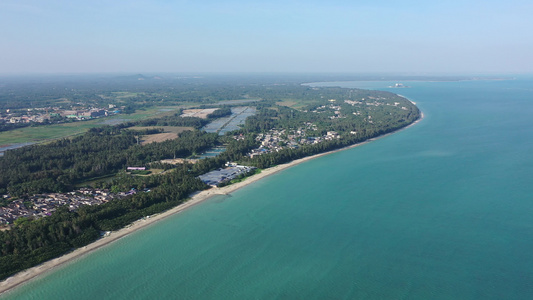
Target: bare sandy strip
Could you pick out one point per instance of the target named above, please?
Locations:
(159, 137)
(199, 113)
(196, 198)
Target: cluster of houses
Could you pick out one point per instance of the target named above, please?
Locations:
(31, 117)
(42, 205)
(370, 101)
(86, 114)
(41, 115)
(331, 106)
(336, 108)
(337, 114)
(375, 102)
(276, 140)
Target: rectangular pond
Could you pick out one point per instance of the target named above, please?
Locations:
(237, 117)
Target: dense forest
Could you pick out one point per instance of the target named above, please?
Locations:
(356, 115)
(56, 166)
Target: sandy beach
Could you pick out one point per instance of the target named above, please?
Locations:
(196, 198)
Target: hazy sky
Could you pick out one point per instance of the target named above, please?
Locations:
(448, 36)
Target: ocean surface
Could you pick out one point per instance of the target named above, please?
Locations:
(441, 210)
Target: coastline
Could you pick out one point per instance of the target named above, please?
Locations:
(195, 198)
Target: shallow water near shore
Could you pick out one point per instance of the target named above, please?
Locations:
(441, 210)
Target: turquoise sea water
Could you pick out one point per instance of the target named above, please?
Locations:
(441, 210)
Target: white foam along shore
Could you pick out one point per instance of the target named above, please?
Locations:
(31, 273)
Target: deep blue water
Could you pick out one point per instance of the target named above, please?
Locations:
(441, 210)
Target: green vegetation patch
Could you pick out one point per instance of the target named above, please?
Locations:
(141, 172)
(293, 103)
(50, 132)
(120, 95)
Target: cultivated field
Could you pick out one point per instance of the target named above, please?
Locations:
(169, 133)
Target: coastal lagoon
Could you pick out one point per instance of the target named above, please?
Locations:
(440, 210)
(212, 152)
(11, 147)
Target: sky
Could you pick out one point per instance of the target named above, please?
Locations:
(377, 36)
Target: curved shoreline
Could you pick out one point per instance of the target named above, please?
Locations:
(32, 273)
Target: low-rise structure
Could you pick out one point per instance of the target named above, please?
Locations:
(221, 176)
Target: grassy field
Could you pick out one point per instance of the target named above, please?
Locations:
(91, 182)
(293, 103)
(174, 129)
(50, 132)
(123, 95)
(148, 172)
